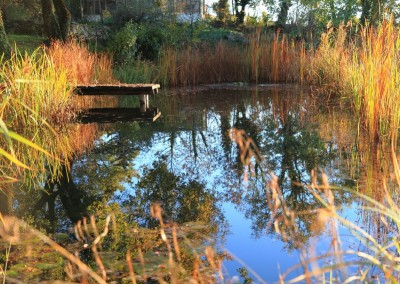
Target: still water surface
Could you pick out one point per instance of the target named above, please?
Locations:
(188, 162)
(193, 141)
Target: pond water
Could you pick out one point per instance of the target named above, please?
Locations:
(189, 162)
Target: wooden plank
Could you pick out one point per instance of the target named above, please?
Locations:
(111, 115)
(119, 90)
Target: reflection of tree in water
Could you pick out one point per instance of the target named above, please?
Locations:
(291, 149)
(198, 151)
(94, 177)
(182, 200)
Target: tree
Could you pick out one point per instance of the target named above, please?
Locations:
(240, 10)
(283, 12)
(373, 10)
(5, 47)
(56, 19)
(222, 9)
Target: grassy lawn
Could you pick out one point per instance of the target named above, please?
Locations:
(26, 43)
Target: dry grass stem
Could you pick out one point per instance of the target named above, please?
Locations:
(130, 267)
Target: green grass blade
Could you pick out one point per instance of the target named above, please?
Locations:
(4, 130)
(21, 139)
(13, 159)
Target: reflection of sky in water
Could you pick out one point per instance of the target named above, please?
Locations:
(265, 255)
(198, 153)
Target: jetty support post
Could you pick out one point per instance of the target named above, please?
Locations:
(144, 102)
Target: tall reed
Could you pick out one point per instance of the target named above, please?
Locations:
(36, 98)
(139, 71)
(329, 62)
(82, 66)
(35, 95)
(203, 64)
(375, 80)
(260, 59)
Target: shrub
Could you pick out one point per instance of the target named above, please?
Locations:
(123, 46)
(150, 39)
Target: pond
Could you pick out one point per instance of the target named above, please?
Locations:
(209, 162)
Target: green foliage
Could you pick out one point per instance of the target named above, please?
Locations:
(244, 273)
(145, 41)
(152, 38)
(222, 9)
(140, 71)
(123, 45)
(22, 16)
(214, 35)
(5, 47)
(136, 11)
(26, 43)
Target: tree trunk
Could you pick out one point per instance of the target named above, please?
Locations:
(63, 18)
(56, 24)
(5, 47)
(240, 15)
(81, 9)
(365, 11)
(283, 13)
(50, 24)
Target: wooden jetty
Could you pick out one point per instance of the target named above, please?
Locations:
(143, 113)
(111, 115)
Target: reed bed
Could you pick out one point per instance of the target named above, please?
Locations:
(36, 99)
(362, 71)
(34, 96)
(259, 61)
(204, 64)
(327, 72)
(139, 71)
(375, 81)
(82, 67)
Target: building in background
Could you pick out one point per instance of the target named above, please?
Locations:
(188, 10)
(182, 10)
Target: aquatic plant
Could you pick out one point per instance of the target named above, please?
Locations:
(327, 72)
(34, 96)
(377, 256)
(203, 64)
(262, 59)
(161, 254)
(139, 71)
(82, 66)
(362, 71)
(375, 81)
(37, 96)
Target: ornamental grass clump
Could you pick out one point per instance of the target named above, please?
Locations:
(32, 85)
(203, 64)
(82, 66)
(327, 72)
(260, 59)
(375, 81)
(35, 97)
(276, 59)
